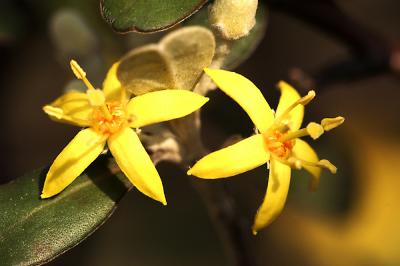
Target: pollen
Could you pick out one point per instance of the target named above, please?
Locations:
(108, 125)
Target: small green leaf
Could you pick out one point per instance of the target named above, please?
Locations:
(176, 62)
(147, 15)
(34, 231)
(145, 69)
(189, 50)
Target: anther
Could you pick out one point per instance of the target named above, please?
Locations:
(80, 74)
(307, 99)
(78, 71)
(59, 113)
(53, 111)
(328, 165)
(331, 123)
(314, 130)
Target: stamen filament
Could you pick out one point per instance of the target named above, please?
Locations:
(106, 112)
(313, 130)
(295, 134)
(303, 101)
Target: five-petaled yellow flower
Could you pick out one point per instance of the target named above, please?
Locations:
(277, 142)
(109, 116)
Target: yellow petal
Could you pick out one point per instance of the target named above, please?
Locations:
(136, 164)
(246, 94)
(303, 151)
(73, 108)
(289, 96)
(159, 106)
(275, 198)
(96, 97)
(112, 87)
(232, 160)
(72, 161)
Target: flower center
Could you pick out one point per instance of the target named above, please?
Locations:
(109, 124)
(277, 145)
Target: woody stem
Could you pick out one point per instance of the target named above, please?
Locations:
(231, 226)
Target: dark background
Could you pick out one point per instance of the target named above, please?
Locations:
(351, 220)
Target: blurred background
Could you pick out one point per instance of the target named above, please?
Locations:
(351, 220)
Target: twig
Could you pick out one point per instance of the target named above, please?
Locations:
(371, 53)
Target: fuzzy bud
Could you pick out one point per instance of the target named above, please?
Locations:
(233, 18)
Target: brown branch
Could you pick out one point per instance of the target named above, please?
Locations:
(371, 53)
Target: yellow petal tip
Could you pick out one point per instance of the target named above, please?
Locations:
(44, 196)
(282, 83)
(209, 71)
(189, 172)
(254, 232)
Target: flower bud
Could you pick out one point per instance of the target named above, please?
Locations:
(233, 18)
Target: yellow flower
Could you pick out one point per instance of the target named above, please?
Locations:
(109, 116)
(277, 142)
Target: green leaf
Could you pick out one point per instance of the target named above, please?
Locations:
(240, 49)
(145, 69)
(34, 231)
(189, 50)
(147, 15)
(176, 62)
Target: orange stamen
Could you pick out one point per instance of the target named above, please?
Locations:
(108, 125)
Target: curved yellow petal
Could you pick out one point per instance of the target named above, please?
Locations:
(232, 160)
(303, 151)
(275, 198)
(72, 161)
(112, 87)
(72, 107)
(136, 164)
(246, 94)
(289, 95)
(159, 106)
